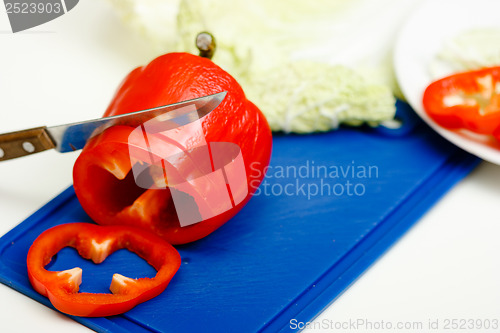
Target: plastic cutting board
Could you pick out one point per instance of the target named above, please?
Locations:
(285, 255)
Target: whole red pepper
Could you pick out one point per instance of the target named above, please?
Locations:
(96, 243)
(103, 180)
(469, 100)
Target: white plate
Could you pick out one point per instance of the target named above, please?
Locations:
(419, 41)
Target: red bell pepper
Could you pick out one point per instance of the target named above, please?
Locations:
(469, 100)
(96, 243)
(104, 182)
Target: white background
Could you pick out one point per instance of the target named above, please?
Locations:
(446, 267)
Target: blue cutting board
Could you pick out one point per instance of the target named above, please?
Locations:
(291, 251)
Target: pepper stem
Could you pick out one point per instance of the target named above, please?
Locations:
(205, 42)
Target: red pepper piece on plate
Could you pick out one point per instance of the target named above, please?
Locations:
(96, 243)
(107, 188)
(469, 100)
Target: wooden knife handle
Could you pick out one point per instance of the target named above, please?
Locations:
(26, 142)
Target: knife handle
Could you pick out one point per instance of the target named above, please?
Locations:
(25, 142)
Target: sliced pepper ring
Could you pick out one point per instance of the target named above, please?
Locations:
(96, 243)
(469, 100)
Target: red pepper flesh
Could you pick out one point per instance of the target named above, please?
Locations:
(469, 100)
(102, 175)
(96, 243)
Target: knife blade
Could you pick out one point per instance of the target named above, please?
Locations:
(74, 136)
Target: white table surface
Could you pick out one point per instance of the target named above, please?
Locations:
(445, 267)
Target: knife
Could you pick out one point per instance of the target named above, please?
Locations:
(74, 136)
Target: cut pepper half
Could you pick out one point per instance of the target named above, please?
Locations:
(469, 100)
(185, 200)
(96, 243)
